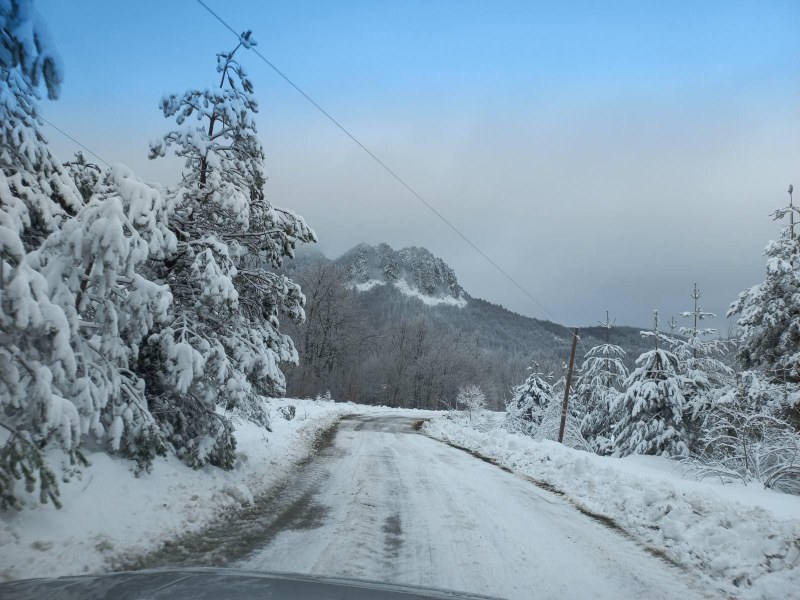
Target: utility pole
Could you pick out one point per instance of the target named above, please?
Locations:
(567, 385)
(791, 208)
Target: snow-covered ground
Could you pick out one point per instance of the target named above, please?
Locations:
(744, 539)
(386, 503)
(108, 511)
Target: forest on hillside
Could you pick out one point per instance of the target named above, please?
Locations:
(379, 346)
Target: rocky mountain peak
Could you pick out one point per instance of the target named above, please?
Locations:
(416, 266)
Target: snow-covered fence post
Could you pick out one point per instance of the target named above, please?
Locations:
(567, 385)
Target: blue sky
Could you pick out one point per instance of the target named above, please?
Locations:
(379, 56)
(606, 154)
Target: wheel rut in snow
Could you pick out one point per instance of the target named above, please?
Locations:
(290, 505)
(604, 520)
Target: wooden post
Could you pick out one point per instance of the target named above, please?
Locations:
(567, 385)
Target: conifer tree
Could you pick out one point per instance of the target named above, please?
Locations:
(705, 376)
(223, 345)
(529, 402)
(651, 409)
(601, 376)
(85, 174)
(769, 312)
(93, 266)
(36, 196)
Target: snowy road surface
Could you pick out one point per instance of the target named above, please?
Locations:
(386, 503)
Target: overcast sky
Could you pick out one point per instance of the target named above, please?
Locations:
(606, 155)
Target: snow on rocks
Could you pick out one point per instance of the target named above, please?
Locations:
(107, 511)
(367, 285)
(745, 540)
(402, 286)
(412, 292)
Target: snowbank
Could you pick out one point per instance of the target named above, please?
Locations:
(746, 540)
(108, 511)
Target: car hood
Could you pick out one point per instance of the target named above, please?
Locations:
(217, 584)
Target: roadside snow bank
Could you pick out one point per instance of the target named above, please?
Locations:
(109, 511)
(746, 541)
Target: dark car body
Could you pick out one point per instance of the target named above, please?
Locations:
(202, 584)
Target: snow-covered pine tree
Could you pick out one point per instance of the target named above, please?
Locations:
(85, 174)
(673, 325)
(93, 266)
(223, 345)
(597, 388)
(36, 196)
(40, 194)
(530, 400)
(769, 312)
(651, 409)
(36, 363)
(695, 344)
(705, 375)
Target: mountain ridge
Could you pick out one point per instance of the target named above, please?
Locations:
(417, 266)
(377, 272)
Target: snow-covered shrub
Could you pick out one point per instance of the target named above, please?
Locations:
(526, 409)
(472, 400)
(288, 412)
(222, 344)
(535, 410)
(744, 438)
(550, 425)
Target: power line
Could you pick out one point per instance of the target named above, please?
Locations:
(382, 164)
(59, 130)
(354, 139)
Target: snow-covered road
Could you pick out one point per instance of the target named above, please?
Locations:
(386, 503)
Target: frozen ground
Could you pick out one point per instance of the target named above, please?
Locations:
(378, 500)
(746, 540)
(108, 511)
(386, 503)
